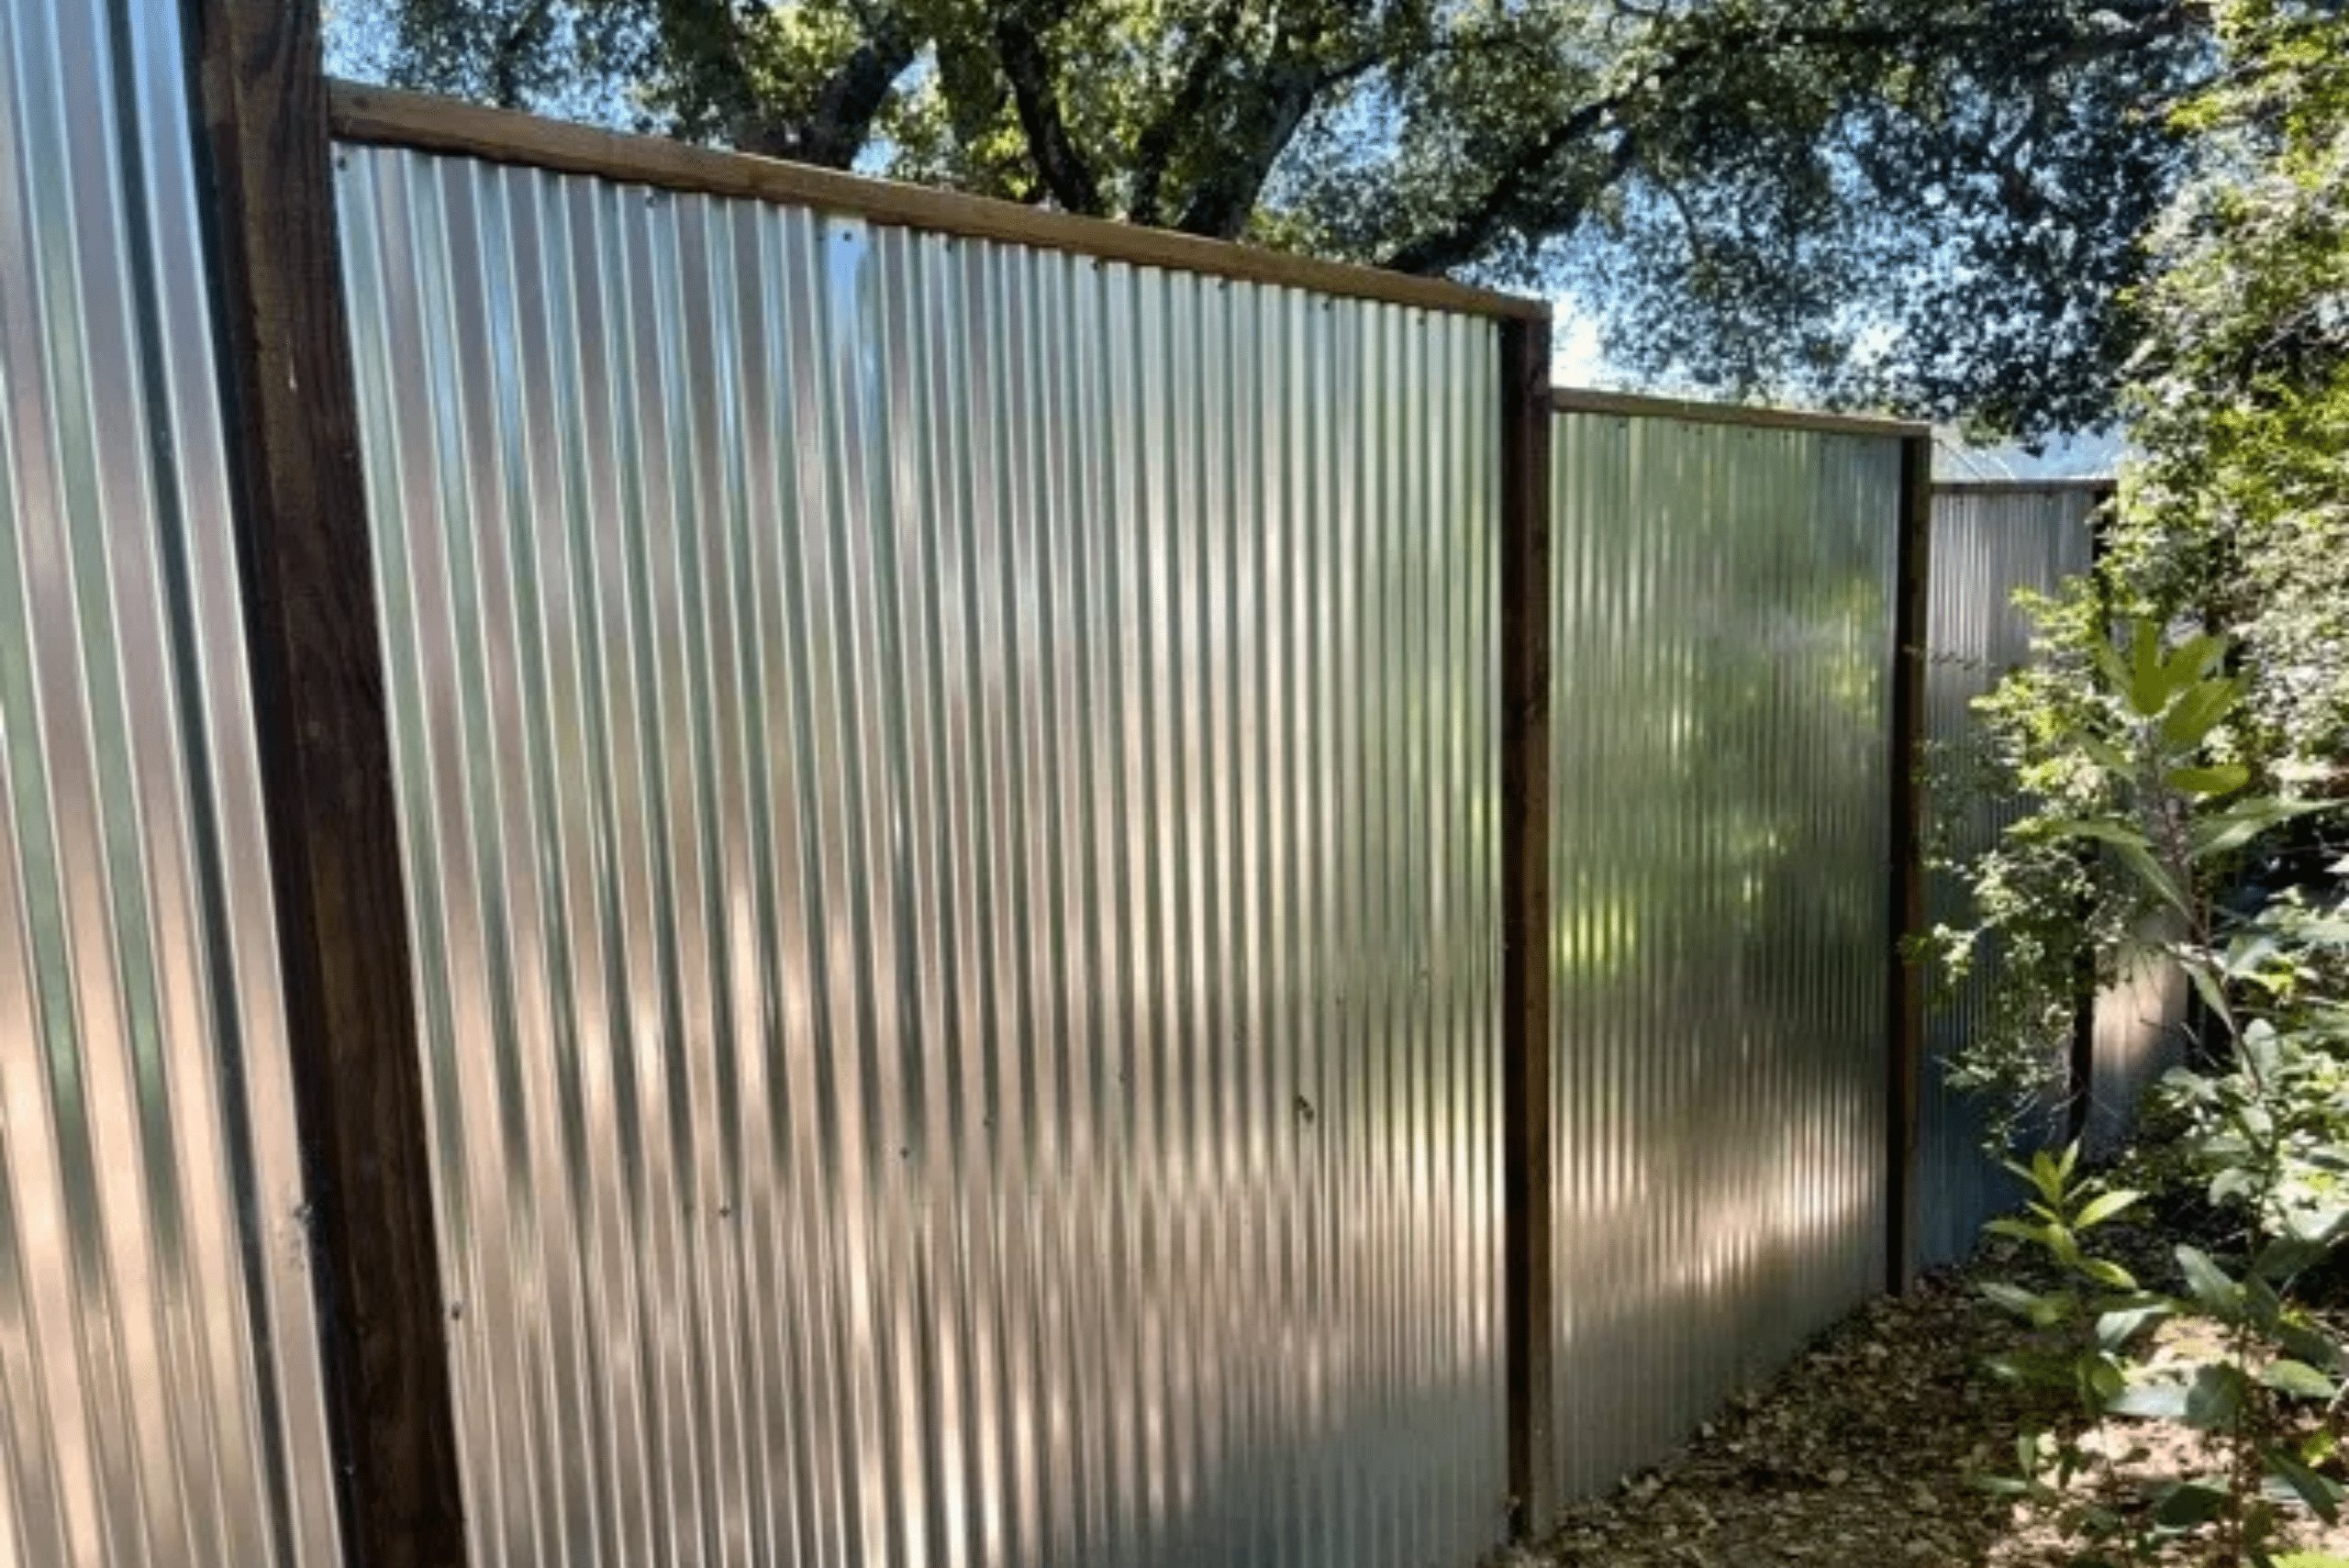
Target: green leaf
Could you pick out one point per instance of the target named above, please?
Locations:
(2013, 1298)
(2115, 1329)
(2310, 1345)
(2190, 1505)
(2318, 1492)
(2146, 692)
(2103, 1208)
(2211, 1287)
(2194, 658)
(2224, 779)
(2297, 1379)
(2239, 824)
(2213, 994)
(2035, 1234)
(2199, 712)
(2107, 1273)
(2288, 1255)
(2217, 1397)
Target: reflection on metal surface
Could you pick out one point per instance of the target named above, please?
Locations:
(160, 1395)
(1986, 544)
(1722, 620)
(950, 802)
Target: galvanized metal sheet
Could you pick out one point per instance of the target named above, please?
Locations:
(160, 1393)
(950, 802)
(1720, 830)
(1987, 545)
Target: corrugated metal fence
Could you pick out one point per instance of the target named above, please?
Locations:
(950, 792)
(161, 1398)
(1991, 542)
(950, 785)
(1722, 642)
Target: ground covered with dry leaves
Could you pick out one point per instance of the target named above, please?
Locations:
(1868, 1451)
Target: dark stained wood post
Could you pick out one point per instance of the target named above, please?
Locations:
(311, 622)
(1527, 1175)
(2080, 1104)
(1905, 992)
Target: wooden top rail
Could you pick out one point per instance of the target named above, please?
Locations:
(384, 116)
(2022, 486)
(1572, 401)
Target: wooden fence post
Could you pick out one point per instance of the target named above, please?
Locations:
(1527, 1174)
(311, 627)
(1905, 994)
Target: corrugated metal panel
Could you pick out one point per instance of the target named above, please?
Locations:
(952, 804)
(1719, 833)
(159, 1393)
(1986, 544)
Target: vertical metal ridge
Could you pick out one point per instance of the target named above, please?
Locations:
(954, 788)
(1722, 626)
(159, 1361)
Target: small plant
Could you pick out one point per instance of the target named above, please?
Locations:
(2153, 803)
(2086, 1325)
(2251, 1398)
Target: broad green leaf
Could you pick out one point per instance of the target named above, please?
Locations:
(2190, 1503)
(2311, 1345)
(2224, 779)
(2211, 1287)
(2014, 1298)
(2194, 658)
(2035, 1235)
(2147, 694)
(2115, 1329)
(2103, 1208)
(2318, 1492)
(2297, 1379)
(2213, 994)
(2239, 824)
(2217, 1397)
(2105, 1382)
(2288, 1255)
(2111, 758)
(2109, 1273)
(2200, 711)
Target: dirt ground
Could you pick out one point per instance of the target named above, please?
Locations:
(1867, 1452)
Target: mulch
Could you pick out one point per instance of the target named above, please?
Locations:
(1869, 1451)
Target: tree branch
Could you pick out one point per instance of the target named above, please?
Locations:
(1155, 145)
(1057, 158)
(1220, 206)
(1471, 232)
(838, 123)
(515, 46)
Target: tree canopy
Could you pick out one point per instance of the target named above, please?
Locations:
(1930, 205)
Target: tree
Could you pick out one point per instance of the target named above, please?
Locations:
(2215, 796)
(1929, 204)
(2239, 517)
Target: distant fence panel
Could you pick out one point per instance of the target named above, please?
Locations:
(1989, 543)
(952, 811)
(161, 1393)
(1720, 820)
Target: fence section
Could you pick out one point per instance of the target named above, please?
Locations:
(950, 804)
(1722, 605)
(161, 1397)
(1989, 542)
